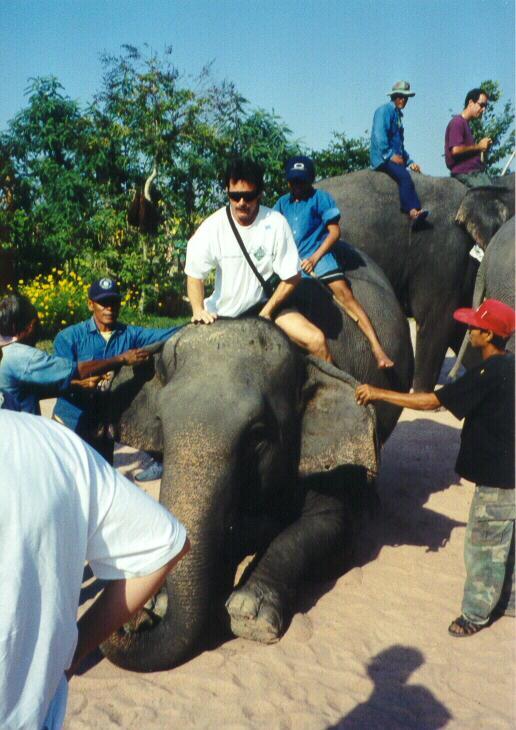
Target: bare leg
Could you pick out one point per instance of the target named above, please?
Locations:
(344, 295)
(304, 333)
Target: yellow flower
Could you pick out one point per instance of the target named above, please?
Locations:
(63, 321)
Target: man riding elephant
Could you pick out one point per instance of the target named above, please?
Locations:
(267, 248)
(388, 153)
(464, 156)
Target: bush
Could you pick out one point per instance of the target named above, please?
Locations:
(61, 299)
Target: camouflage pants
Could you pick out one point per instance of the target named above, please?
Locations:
(489, 554)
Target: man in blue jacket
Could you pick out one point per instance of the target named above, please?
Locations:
(101, 337)
(388, 153)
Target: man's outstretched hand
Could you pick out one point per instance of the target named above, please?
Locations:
(135, 356)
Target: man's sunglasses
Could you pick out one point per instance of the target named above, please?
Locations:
(236, 195)
(482, 104)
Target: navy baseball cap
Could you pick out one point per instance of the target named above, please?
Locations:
(300, 168)
(103, 289)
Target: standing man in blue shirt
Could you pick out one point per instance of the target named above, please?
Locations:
(388, 153)
(28, 374)
(102, 336)
(314, 219)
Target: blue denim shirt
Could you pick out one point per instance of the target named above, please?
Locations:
(28, 374)
(82, 342)
(387, 136)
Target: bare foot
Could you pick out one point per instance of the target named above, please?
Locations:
(382, 360)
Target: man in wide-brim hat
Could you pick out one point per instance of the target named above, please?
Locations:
(388, 153)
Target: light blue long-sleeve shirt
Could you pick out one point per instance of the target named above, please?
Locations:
(387, 136)
(28, 374)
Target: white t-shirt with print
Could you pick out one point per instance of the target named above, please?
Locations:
(60, 505)
(269, 242)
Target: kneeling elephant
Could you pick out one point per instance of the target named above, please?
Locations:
(265, 453)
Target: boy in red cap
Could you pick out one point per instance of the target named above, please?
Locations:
(484, 396)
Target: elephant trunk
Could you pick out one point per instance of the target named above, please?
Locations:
(194, 488)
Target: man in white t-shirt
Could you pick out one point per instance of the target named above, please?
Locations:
(269, 242)
(60, 505)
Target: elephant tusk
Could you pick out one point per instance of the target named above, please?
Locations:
(148, 183)
(458, 362)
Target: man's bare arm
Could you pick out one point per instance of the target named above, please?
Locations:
(280, 295)
(417, 401)
(119, 600)
(89, 368)
(482, 146)
(195, 290)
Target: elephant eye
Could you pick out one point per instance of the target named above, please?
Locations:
(257, 437)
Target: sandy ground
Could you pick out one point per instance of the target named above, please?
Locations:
(370, 651)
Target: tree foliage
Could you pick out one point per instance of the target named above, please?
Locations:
(497, 122)
(69, 173)
(342, 155)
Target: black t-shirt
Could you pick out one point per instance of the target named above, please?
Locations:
(484, 396)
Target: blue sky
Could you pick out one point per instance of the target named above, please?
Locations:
(322, 65)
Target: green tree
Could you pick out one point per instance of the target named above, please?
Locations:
(342, 155)
(48, 190)
(150, 118)
(250, 132)
(497, 122)
(68, 173)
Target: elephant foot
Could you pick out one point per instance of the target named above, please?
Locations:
(256, 613)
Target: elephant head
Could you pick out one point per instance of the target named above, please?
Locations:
(485, 209)
(243, 418)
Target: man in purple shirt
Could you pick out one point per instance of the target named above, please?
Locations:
(464, 156)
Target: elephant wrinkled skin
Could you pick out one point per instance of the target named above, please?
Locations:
(266, 453)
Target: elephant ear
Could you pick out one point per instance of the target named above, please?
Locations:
(335, 430)
(483, 211)
(133, 404)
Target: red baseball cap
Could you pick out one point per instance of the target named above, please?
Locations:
(491, 315)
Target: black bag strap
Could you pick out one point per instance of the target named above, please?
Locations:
(266, 287)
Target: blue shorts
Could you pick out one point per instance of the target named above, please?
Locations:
(327, 269)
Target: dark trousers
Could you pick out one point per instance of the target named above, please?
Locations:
(408, 196)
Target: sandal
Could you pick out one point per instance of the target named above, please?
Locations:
(463, 627)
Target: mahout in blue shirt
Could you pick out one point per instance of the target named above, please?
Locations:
(83, 341)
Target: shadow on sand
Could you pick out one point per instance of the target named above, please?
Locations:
(394, 704)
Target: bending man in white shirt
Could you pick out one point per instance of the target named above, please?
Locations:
(60, 507)
(269, 242)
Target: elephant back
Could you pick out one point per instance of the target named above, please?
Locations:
(372, 221)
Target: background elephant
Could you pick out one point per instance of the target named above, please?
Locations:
(495, 280)
(430, 269)
(265, 453)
